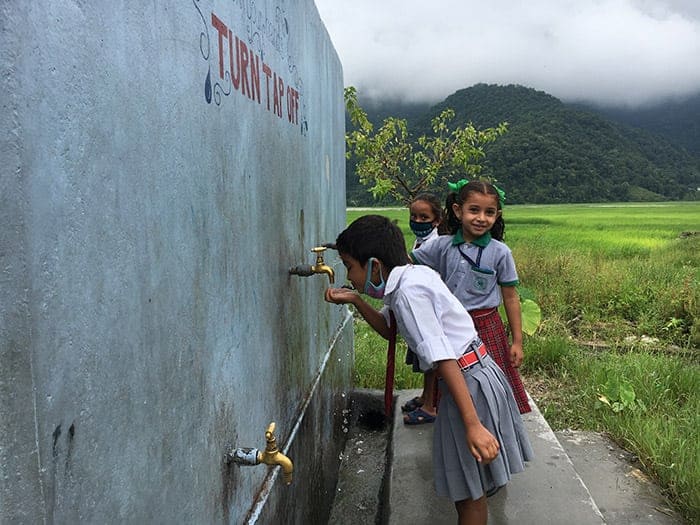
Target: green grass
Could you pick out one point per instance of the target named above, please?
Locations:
(619, 288)
(660, 427)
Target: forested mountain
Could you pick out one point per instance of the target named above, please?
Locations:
(676, 120)
(554, 152)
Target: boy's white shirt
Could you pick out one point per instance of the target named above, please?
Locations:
(429, 317)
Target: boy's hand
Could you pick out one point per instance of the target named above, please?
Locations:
(482, 445)
(341, 295)
(516, 354)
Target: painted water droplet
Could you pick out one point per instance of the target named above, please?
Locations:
(207, 87)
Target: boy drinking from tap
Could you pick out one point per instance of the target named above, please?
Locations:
(479, 438)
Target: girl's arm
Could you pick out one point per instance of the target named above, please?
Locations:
(482, 444)
(511, 302)
(373, 316)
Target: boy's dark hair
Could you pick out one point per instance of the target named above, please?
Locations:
(498, 229)
(373, 236)
(436, 208)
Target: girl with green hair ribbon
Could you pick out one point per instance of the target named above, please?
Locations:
(479, 269)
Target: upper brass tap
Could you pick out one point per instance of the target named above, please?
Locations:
(272, 455)
(321, 266)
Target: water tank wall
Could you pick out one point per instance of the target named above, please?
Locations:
(163, 165)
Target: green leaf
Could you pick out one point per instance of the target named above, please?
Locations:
(627, 395)
(531, 315)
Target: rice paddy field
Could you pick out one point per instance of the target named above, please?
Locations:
(618, 346)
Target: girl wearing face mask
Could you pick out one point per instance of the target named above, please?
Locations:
(425, 216)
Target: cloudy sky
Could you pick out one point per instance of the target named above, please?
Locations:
(610, 52)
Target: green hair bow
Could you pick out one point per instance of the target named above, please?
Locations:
(456, 186)
(501, 195)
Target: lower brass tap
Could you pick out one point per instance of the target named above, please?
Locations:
(270, 456)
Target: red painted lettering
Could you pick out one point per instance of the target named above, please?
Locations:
(268, 72)
(235, 66)
(244, 67)
(243, 63)
(275, 96)
(292, 105)
(223, 32)
(280, 91)
(255, 77)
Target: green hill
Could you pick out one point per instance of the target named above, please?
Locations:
(556, 153)
(677, 119)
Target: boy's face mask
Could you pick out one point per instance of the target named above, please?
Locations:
(421, 229)
(371, 289)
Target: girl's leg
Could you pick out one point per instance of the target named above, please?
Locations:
(472, 512)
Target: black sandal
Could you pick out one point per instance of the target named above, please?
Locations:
(412, 405)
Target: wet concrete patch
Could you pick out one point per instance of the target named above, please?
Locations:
(361, 489)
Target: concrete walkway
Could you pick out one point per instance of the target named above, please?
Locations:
(552, 490)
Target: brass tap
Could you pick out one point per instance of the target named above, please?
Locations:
(320, 266)
(270, 456)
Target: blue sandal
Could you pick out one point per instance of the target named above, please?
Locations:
(418, 417)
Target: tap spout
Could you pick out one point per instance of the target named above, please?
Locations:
(324, 268)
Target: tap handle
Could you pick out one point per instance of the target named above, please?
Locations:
(271, 445)
(270, 432)
(318, 250)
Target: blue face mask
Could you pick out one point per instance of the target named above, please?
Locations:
(371, 289)
(421, 229)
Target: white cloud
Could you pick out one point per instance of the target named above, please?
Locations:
(618, 52)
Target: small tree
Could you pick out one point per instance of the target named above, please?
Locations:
(391, 165)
